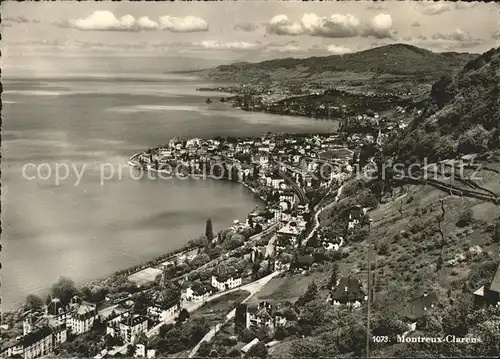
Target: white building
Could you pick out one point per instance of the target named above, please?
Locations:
(142, 352)
(247, 347)
(132, 326)
(163, 313)
(230, 283)
(352, 223)
(82, 318)
(195, 294)
(38, 343)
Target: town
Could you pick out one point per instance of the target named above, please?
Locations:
(156, 309)
(316, 100)
(250, 180)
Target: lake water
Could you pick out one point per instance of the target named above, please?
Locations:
(84, 228)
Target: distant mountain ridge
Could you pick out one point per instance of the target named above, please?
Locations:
(395, 59)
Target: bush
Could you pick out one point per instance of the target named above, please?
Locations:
(280, 333)
(466, 218)
(496, 232)
(383, 249)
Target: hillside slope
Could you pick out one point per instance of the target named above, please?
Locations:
(396, 59)
(463, 115)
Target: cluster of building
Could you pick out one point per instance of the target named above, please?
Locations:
(45, 331)
(269, 315)
(283, 165)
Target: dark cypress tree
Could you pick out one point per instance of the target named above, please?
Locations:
(334, 277)
(209, 232)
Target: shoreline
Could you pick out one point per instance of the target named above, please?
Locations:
(142, 265)
(131, 163)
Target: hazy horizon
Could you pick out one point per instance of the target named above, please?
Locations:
(154, 38)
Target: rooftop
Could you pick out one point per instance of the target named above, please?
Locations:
(420, 306)
(132, 321)
(35, 336)
(495, 283)
(348, 285)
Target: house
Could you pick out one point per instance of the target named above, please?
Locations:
(59, 332)
(82, 317)
(332, 243)
(40, 338)
(112, 314)
(141, 351)
(268, 315)
(56, 309)
(276, 182)
(421, 306)
(287, 196)
(289, 234)
(348, 291)
(285, 206)
(37, 343)
(489, 294)
(162, 312)
(353, 222)
(222, 283)
(197, 292)
(9, 348)
(132, 326)
(260, 316)
(258, 253)
(247, 347)
(280, 266)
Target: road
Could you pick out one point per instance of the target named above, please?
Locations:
(253, 288)
(316, 216)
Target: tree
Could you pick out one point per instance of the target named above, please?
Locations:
(383, 248)
(496, 231)
(387, 323)
(466, 218)
(240, 317)
(64, 289)
(141, 303)
(130, 350)
(310, 294)
(200, 260)
(259, 350)
(164, 329)
(204, 349)
(237, 240)
(250, 221)
(209, 232)
(33, 302)
(255, 269)
(334, 276)
(94, 294)
(313, 315)
(183, 315)
(307, 348)
(369, 201)
(439, 263)
(455, 319)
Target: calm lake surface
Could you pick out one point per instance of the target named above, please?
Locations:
(85, 228)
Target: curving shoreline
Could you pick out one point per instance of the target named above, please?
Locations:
(151, 262)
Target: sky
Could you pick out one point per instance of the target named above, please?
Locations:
(47, 37)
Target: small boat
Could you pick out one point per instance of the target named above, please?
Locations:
(208, 100)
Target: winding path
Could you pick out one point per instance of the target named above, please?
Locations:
(253, 288)
(316, 216)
